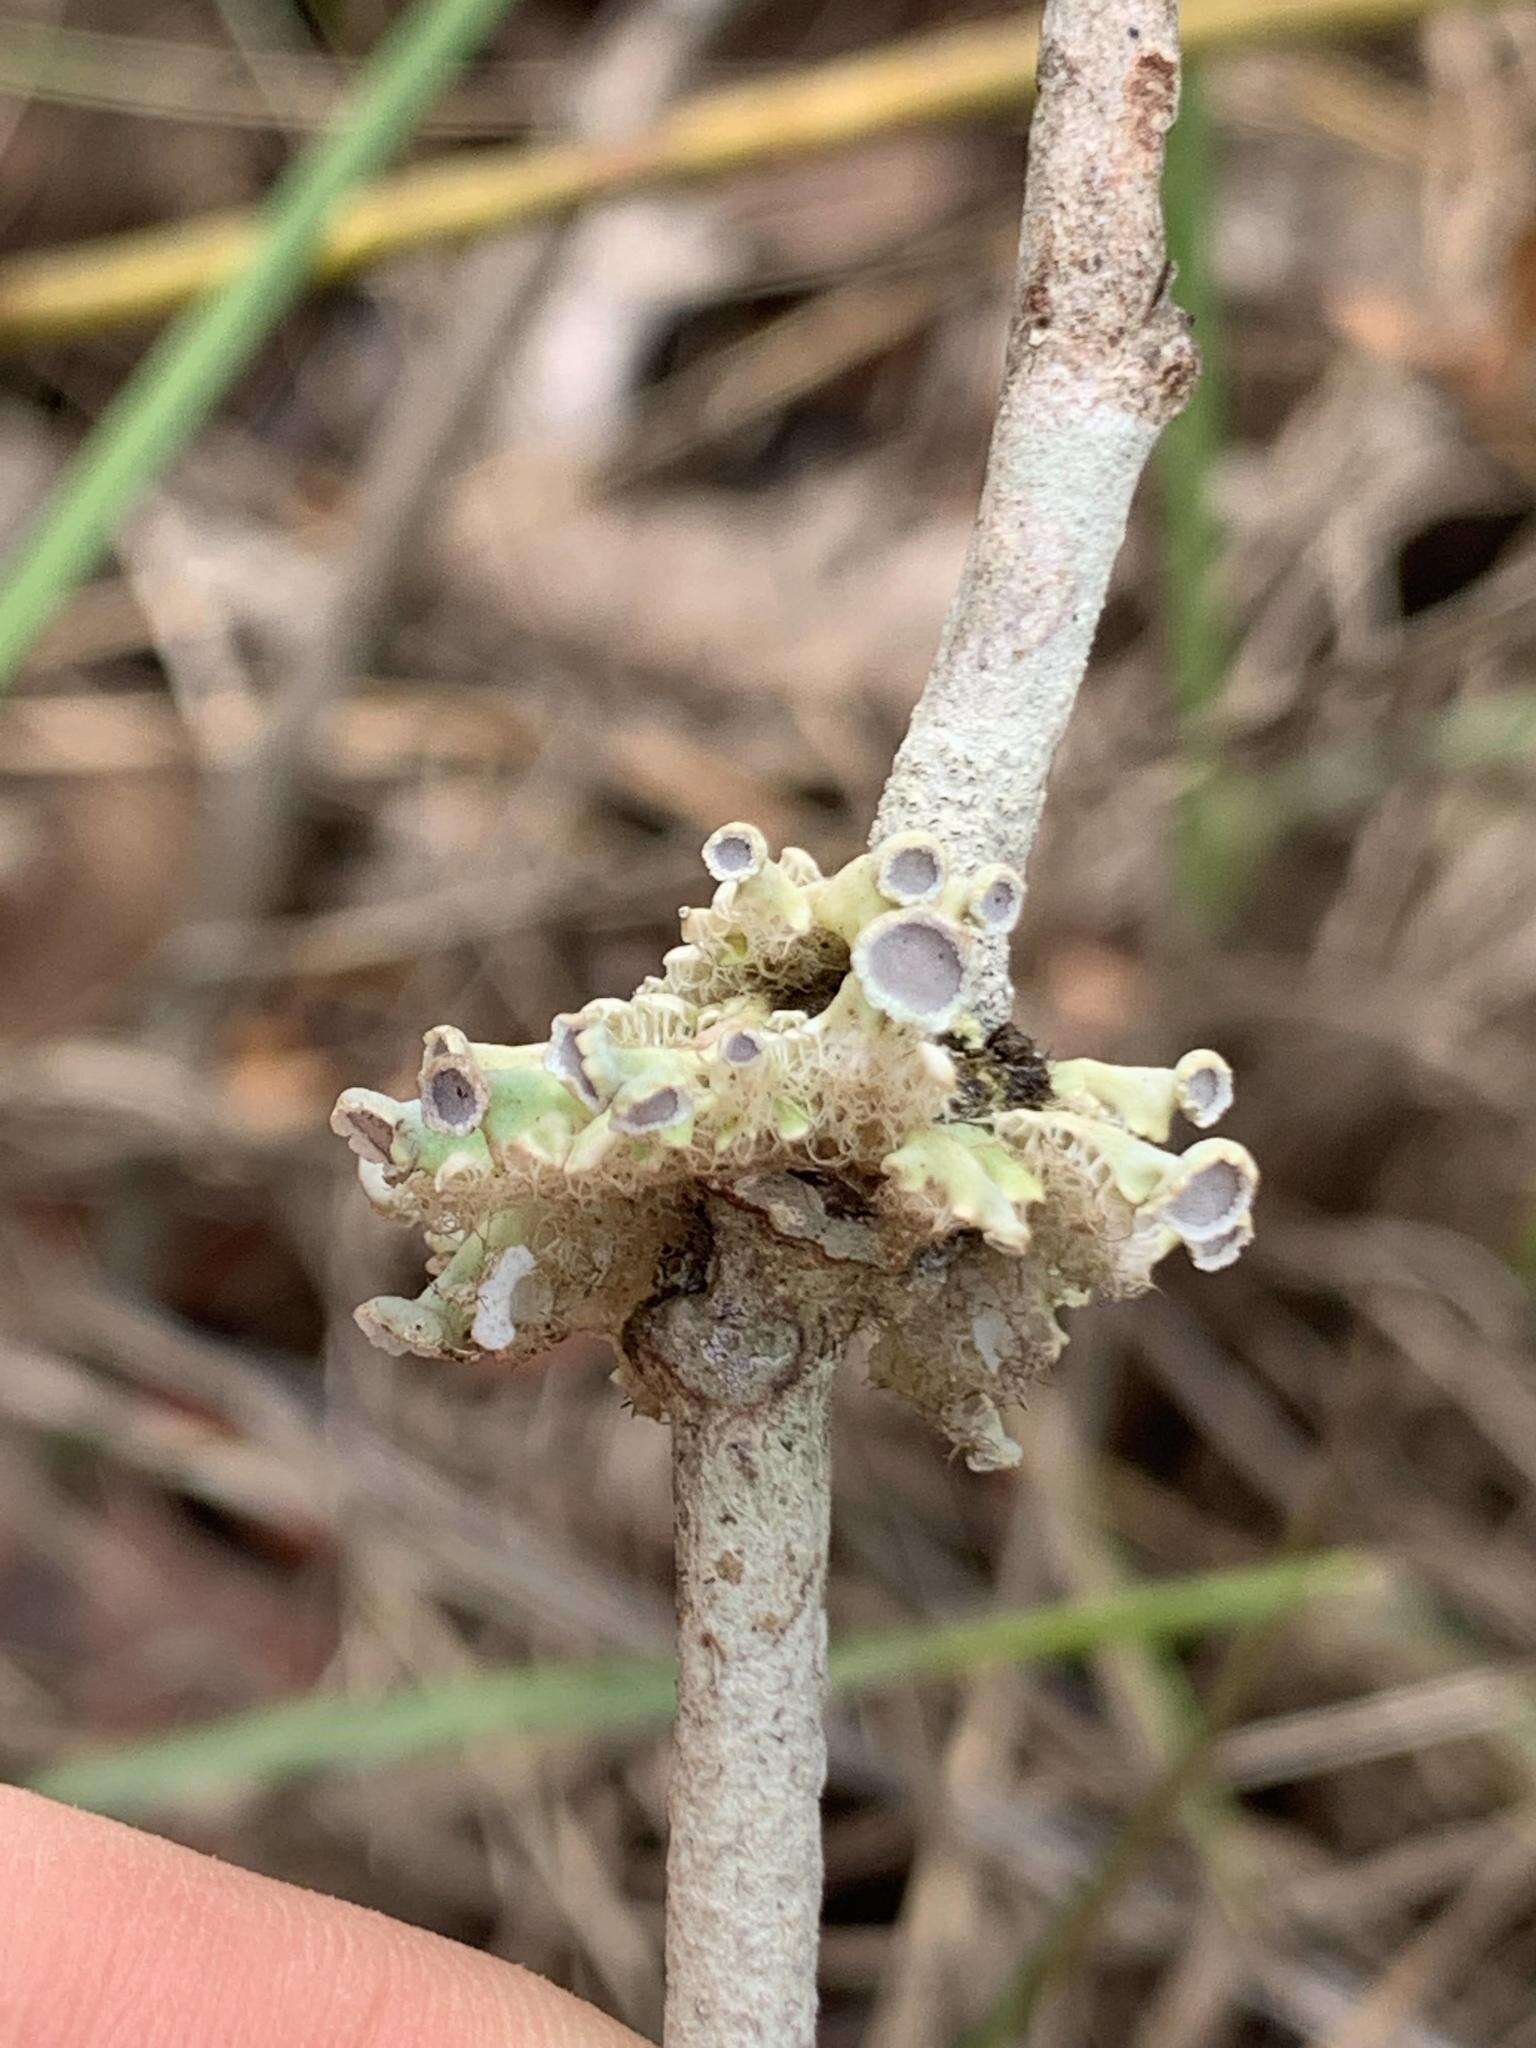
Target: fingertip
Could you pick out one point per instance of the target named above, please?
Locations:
(115, 1935)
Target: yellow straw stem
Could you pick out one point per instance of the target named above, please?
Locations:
(956, 74)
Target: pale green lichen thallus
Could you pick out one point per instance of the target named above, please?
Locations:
(806, 1053)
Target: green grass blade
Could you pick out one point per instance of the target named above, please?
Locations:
(1161, 1611)
(182, 378)
(326, 1731)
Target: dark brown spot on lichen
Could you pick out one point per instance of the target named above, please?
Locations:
(1037, 297)
(1152, 96)
(1008, 1072)
(817, 992)
(1026, 1082)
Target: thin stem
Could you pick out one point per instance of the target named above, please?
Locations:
(752, 1489)
(1099, 360)
(742, 1368)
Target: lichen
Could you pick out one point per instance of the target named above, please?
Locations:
(809, 1053)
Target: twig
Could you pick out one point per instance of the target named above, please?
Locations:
(751, 1636)
(953, 75)
(744, 1369)
(1099, 360)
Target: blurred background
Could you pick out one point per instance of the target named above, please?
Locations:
(504, 571)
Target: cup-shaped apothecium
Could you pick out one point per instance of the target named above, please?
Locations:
(808, 1053)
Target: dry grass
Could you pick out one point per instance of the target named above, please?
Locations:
(686, 559)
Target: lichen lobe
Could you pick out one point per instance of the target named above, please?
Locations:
(805, 1072)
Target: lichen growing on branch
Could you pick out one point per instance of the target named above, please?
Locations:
(809, 1054)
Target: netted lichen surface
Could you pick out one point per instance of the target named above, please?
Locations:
(807, 1053)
